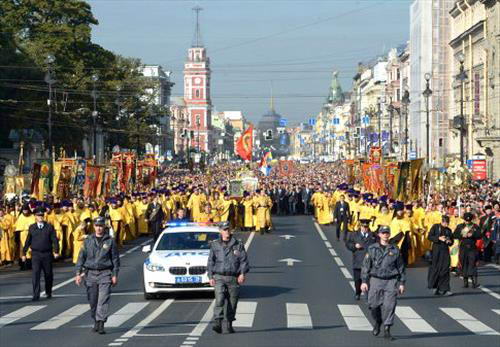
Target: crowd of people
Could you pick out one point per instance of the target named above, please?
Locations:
(316, 189)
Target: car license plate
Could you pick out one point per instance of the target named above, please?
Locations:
(188, 279)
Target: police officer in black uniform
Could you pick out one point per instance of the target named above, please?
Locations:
(226, 268)
(358, 243)
(98, 264)
(44, 246)
(383, 275)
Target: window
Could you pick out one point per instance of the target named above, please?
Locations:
(197, 93)
(477, 93)
(398, 74)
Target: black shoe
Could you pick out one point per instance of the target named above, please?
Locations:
(35, 299)
(96, 327)
(466, 282)
(437, 292)
(376, 329)
(387, 333)
(446, 293)
(49, 296)
(475, 283)
(357, 297)
(229, 328)
(217, 327)
(100, 327)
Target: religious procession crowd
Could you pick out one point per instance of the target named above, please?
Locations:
(318, 189)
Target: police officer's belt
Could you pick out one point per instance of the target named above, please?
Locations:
(226, 274)
(385, 278)
(103, 269)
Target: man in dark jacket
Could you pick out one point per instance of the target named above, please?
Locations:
(439, 271)
(98, 263)
(226, 269)
(44, 246)
(358, 243)
(468, 233)
(155, 216)
(341, 216)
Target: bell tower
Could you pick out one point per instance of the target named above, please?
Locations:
(197, 91)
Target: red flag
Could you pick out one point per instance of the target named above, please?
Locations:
(245, 144)
(91, 181)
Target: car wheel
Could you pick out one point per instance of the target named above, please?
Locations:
(149, 296)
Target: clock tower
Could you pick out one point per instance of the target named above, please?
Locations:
(197, 92)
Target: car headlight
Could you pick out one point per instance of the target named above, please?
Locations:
(153, 267)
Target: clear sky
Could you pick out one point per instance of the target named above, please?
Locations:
(296, 44)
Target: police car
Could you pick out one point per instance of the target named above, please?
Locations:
(178, 259)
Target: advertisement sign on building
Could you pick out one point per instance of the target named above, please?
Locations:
(479, 170)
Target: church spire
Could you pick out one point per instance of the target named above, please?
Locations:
(197, 32)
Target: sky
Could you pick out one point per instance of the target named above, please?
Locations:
(291, 45)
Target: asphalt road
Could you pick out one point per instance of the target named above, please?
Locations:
(299, 293)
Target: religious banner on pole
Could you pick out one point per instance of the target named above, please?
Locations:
(286, 167)
(416, 179)
(35, 177)
(91, 181)
(375, 155)
(401, 189)
(44, 181)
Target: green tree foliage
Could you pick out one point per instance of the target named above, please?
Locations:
(32, 29)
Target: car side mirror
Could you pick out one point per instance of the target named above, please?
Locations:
(146, 249)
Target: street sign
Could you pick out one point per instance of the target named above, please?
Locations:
(366, 119)
(336, 121)
(283, 122)
(312, 121)
(413, 155)
(469, 164)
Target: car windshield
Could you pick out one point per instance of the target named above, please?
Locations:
(187, 240)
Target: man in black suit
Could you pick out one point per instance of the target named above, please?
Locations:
(307, 192)
(44, 246)
(341, 216)
(358, 243)
(155, 216)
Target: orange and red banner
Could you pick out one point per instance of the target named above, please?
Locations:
(286, 167)
(244, 145)
(375, 155)
(92, 175)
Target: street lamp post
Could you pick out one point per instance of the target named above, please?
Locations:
(390, 108)
(427, 94)
(198, 133)
(49, 79)
(462, 76)
(379, 114)
(405, 100)
(95, 78)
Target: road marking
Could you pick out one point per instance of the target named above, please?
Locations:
(18, 314)
(494, 265)
(328, 244)
(71, 295)
(468, 322)
(320, 232)
(354, 318)
(346, 273)
(496, 311)
(205, 320)
(298, 316)
(289, 261)
(338, 261)
(192, 338)
(142, 324)
(245, 314)
(489, 291)
(413, 321)
(332, 252)
(125, 313)
(158, 335)
(203, 323)
(63, 318)
(189, 343)
(287, 237)
(352, 285)
(72, 279)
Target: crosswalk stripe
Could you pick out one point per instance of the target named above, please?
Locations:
(142, 324)
(413, 321)
(338, 261)
(62, 318)
(496, 311)
(489, 291)
(125, 313)
(354, 318)
(332, 252)
(245, 314)
(298, 316)
(18, 314)
(468, 322)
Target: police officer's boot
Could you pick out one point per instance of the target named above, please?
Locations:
(96, 327)
(376, 329)
(387, 333)
(100, 327)
(217, 327)
(475, 282)
(466, 282)
(229, 327)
